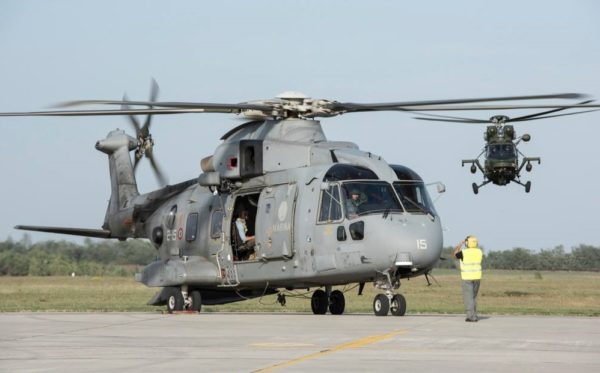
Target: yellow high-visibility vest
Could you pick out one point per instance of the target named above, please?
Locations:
(470, 265)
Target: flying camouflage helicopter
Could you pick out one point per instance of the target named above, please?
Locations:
(501, 153)
(278, 206)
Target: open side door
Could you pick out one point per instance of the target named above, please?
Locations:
(275, 222)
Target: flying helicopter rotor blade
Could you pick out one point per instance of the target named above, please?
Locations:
(557, 115)
(454, 119)
(527, 117)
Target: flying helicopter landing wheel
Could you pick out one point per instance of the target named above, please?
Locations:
(527, 186)
(175, 300)
(398, 305)
(381, 305)
(337, 302)
(473, 169)
(319, 302)
(475, 188)
(195, 301)
(528, 167)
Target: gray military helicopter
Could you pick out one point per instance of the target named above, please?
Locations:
(316, 213)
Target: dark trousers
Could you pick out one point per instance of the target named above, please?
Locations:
(470, 288)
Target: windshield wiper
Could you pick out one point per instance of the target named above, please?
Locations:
(428, 213)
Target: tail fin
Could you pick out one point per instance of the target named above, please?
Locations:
(119, 219)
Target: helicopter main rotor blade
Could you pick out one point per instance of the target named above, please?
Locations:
(527, 117)
(75, 113)
(451, 120)
(493, 107)
(351, 106)
(225, 108)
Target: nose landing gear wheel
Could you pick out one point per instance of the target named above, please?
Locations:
(175, 300)
(381, 305)
(337, 303)
(319, 302)
(398, 305)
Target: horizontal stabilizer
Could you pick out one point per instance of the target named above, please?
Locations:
(99, 233)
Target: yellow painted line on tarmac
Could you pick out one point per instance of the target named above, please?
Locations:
(345, 346)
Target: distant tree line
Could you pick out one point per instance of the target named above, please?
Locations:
(115, 258)
(62, 258)
(580, 258)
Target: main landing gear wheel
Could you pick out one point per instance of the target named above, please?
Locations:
(195, 301)
(475, 188)
(398, 305)
(175, 300)
(319, 302)
(337, 302)
(381, 305)
(527, 186)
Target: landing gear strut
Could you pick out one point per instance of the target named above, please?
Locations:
(388, 302)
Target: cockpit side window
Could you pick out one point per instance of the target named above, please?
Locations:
(330, 209)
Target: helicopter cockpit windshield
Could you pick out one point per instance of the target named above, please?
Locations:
(369, 197)
(501, 151)
(414, 197)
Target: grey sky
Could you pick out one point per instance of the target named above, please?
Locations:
(231, 51)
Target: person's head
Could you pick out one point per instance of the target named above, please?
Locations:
(244, 214)
(471, 242)
(355, 194)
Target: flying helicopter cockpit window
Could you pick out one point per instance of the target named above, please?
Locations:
(331, 205)
(369, 197)
(501, 151)
(414, 197)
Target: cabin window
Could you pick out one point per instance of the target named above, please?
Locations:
(171, 217)
(331, 206)
(216, 224)
(191, 227)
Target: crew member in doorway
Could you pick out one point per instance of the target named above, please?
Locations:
(470, 271)
(242, 229)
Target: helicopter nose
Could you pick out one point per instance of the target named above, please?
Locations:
(417, 242)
